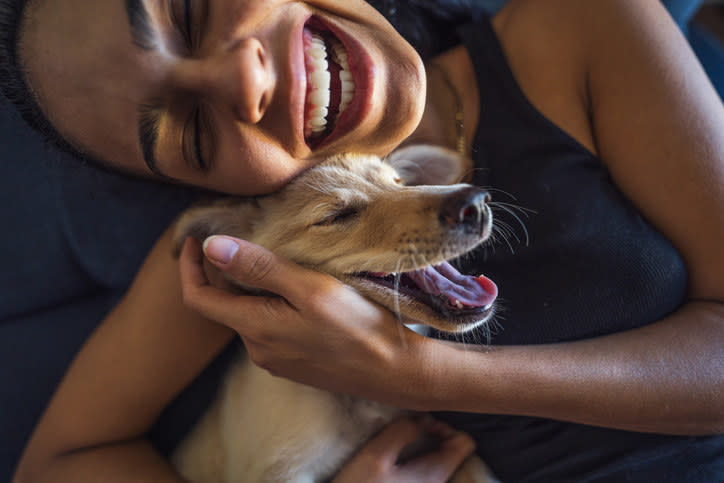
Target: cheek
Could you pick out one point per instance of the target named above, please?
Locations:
(244, 166)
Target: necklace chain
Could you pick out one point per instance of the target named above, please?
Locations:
(460, 138)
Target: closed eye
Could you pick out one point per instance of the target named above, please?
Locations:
(340, 216)
(191, 140)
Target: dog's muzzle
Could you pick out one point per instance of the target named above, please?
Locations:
(466, 210)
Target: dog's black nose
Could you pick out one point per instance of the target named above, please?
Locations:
(466, 209)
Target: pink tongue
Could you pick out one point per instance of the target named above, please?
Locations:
(444, 279)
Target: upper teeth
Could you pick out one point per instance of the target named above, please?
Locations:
(319, 79)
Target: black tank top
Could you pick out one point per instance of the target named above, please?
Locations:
(586, 264)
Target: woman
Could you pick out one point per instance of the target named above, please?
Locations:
(552, 106)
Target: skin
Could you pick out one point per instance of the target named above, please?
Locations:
(242, 72)
(638, 99)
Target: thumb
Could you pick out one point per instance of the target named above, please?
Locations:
(255, 266)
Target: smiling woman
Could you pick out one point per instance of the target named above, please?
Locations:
(608, 364)
(221, 93)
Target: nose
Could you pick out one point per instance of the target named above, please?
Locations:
(466, 209)
(241, 77)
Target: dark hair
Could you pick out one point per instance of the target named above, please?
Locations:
(15, 86)
(427, 24)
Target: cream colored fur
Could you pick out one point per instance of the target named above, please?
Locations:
(348, 215)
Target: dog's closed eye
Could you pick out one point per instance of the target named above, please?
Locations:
(343, 215)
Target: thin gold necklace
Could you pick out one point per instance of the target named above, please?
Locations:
(461, 141)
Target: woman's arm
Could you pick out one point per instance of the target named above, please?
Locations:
(665, 377)
(657, 123)
(145, 352)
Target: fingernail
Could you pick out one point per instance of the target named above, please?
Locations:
(220, 249)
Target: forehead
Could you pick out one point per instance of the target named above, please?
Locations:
(87, 74)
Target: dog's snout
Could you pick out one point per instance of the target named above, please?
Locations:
(466, 209)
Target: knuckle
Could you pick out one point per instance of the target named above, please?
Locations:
(317, 298)
(258, 267)
(190, 298)
(320, 295)
(377, 467)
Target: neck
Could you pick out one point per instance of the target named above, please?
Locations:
(439, 124)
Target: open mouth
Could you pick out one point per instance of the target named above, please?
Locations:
(330, 83)
(442, 288)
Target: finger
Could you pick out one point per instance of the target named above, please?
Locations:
(235, 311)
(441, 463)
(254, 265)
(388, 444)
(191, 264)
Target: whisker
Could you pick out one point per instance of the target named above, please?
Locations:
(524, 211)
(496, 190)
(501, 231)
(511, 210)
(469, 174)
(398, 312)
(507, 229)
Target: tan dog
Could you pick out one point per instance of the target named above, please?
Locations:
(379, 227)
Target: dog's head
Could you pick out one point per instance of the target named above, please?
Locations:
(376, 225)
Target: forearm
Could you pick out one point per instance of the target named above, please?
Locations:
(667, 377)
(134, 461)
(143, 354)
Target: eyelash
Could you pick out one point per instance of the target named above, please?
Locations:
(192, 148)
(192, 145)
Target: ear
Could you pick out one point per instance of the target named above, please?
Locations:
(423, 164)
(230, 216)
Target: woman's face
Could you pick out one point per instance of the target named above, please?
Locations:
(231, 95)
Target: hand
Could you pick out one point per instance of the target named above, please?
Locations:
(377, 460)
(318, 332)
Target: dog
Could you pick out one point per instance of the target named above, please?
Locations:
(388, 228)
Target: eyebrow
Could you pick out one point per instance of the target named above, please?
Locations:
(142, 31)
(144, 36)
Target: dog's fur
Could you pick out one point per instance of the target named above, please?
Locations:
(357, 218)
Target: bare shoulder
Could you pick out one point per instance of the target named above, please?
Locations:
(652, 114)
(541, 40)
(565, 20)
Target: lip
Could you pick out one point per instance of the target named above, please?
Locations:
(362, 69)
(298, 88)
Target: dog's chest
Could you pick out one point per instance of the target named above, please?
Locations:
(273, 429)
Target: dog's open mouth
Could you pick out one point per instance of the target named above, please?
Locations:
(442, 288)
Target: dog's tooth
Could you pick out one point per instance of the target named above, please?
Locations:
(458, 304)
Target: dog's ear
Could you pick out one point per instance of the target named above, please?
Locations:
(230, 216)
(422, 164)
